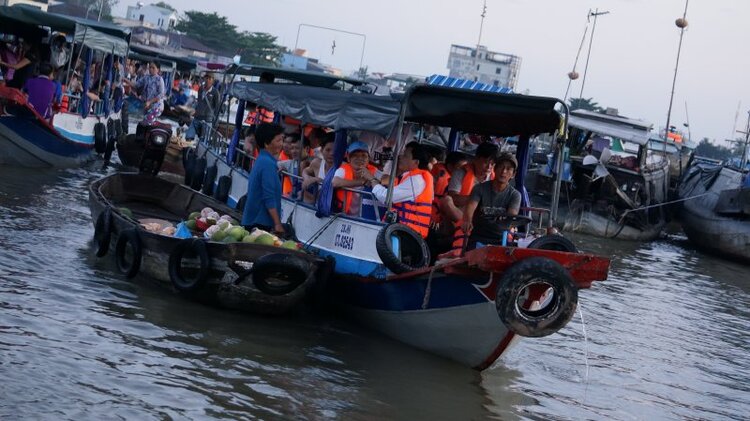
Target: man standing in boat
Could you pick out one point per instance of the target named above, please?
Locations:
(208, 103)
(263, 205)
(491, 200)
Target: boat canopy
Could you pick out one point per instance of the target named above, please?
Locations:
(97, 40)
(332, 108)
(481, 112)
(166, 64)
(182, 63)
(319, 79)
(20, 15)
(626, 129)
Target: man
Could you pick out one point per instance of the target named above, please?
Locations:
(41, 90)
(263, 206)
(490, 200)
(353, 174)
(413, 192)
(208, 103)
(462, 181)
(292, 162)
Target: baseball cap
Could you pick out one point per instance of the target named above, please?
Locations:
(358, 146)
(507, 156)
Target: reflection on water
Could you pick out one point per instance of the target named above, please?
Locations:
(667, 338)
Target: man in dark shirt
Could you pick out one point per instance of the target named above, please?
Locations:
(263, 205)
(207, 105)
(41, 90)
(489, 201)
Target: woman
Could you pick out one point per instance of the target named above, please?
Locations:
(316, 172)
(154, 92)
(24, 68)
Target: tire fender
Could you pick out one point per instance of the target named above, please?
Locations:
(414, 253)
(189, 165)
(222, 188)
(100, 137)
(536, 274)
(553, 242)
(208, 180)
(199, 171)
(241, 203)
(103, 232)
(189, 246)
(279, 273)
(129, 237)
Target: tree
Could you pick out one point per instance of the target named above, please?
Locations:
(707, 149)
(259, 48)
(95, 6)
(164, 5)
(584, 104)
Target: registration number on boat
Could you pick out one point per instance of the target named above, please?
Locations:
(343, 239)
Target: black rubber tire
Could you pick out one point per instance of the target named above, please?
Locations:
(199, 171)
(209, 179)
(103, 232)
(553, 242)
(547, 320)
(108, 151)
(100, 137)
(417, 247)
(189, 164)
(129, 236)
(197, 248)
(117, 132)
(222, 188)
(241, 203)
(124, 120)
(279, 273)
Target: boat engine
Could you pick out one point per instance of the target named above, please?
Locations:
(146, 148)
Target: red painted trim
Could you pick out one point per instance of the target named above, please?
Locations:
(501, 347)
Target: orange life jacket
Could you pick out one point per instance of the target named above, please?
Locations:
(442, 178)
(64, 101)
(259, 115)
(416, 214)
(468, 183)
(343, 198)
(287, 186)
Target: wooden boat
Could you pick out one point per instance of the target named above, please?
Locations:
(469, 308)
(241, 276)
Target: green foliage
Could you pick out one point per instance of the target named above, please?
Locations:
(584, 104)
(707, 149)
(216, 32)
(164, 5)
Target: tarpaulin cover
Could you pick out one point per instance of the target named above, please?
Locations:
(480, 112)
(609, 126)
(323, 107)
(308, 78)
(100, 41)
(30, 15)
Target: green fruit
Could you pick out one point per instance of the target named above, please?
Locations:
(218, 236)
(265, 240)
(237, 233)
(229, 239)
(289, 244)
(126, 212)
(247, 239)
(233, 221)
(191, 225)
(193, 216)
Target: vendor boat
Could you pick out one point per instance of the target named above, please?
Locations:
(257, 278)
(469, 308)
(75, 134)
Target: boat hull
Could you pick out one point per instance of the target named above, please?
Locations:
(27, 143)
(583, 221)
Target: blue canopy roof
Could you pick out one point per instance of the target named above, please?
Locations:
(452, 82)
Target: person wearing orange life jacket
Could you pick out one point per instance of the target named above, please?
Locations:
(414, 190)
(442, 228)
(462, 181)
(294, 162)
(356, 173)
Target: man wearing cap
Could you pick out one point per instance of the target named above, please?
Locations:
(208, 103)
(356, 173)
(489, 200)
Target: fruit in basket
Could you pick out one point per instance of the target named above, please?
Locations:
(126, 212)
(218, 236)
(247, 239)
(201, 224)
(238, 233)
(194, 215)
(206, 211)
(191, 225)
(265, 240)
(290, 244)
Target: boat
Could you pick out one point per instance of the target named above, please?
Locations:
(262, 279)
(469, 308)
(619, 180)
(71, 136)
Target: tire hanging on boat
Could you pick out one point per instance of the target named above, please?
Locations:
(188, 163)
(189, 247)
(199, 171)
(413, 252)
(129, 237)
(553, 242)
(241, 203)
(100, 137)
(536, 276)
(279, 273)
(108, 151)
(124, 120)
(222, 188)
(209, 179)
(103, 232)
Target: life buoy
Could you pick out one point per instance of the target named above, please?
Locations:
(208, 180)
(536, 275)
(241, 203)
(100, 137)
(199, 171)
(128, 237)
(103, 232)
(279, 273)
(189, 247)
(412, 253)
(553, 242)
(222, 188)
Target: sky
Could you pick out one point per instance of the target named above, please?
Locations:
(631, 65)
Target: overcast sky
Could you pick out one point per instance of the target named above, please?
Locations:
(632, 59)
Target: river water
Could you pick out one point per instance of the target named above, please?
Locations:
(666, 337)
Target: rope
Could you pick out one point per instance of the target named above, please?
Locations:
(661, 204)
(320, 232)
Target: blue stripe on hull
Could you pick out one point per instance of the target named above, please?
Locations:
(41, 137)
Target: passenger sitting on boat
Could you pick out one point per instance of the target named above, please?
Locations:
(413, 191)
(316, 172)
(296, 157)
(492, 199)
(462, 181)
(153, 95)
(25, 66)
(442, 227)
(354, 174)
(41, 90)
(263, 205)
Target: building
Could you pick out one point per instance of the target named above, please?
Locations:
(41, 4)
(481, 65)
(153, 16)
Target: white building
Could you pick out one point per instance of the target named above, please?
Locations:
(153, 16)
(490, 67)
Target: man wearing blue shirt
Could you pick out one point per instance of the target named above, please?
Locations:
(263, 206)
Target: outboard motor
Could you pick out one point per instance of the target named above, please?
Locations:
(146, 148)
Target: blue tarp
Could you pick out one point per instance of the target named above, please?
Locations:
(452, 82)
